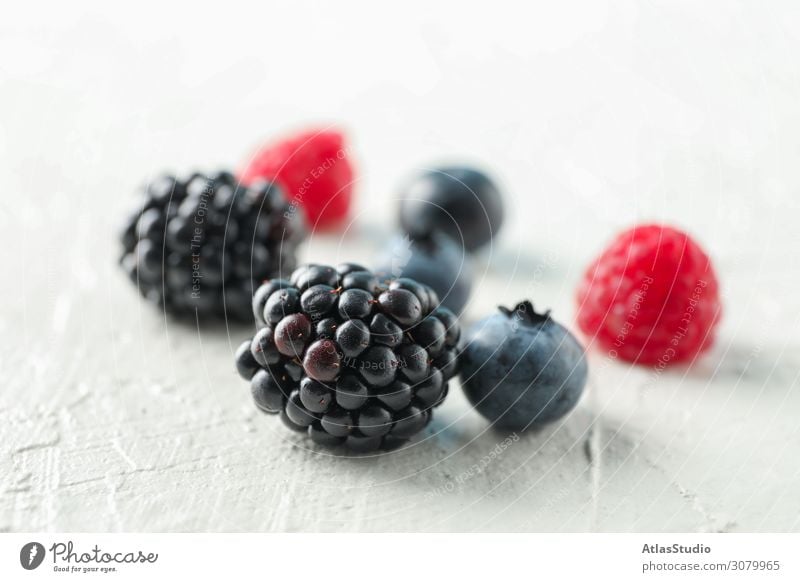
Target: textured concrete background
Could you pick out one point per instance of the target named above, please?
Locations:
(113, 417)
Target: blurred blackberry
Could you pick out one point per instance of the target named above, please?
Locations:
(351, 360)
(206, 243)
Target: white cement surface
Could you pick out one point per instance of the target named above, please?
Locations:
(594, 116)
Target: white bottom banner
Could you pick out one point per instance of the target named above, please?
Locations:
(406, 557)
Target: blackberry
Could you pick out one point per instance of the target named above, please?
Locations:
(204, 244)
(357, 362)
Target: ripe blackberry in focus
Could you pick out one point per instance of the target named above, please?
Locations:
(352, 360)
(204, 244)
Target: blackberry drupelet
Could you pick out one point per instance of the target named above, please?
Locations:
(206, 243)
(352, 360)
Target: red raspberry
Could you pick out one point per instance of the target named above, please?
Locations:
(313, 167)
(652, 297)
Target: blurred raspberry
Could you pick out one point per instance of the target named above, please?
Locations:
(313, 167)
(651, 297)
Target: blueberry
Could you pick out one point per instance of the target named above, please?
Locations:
(462, 202)
(435, 261)
(521, 369)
